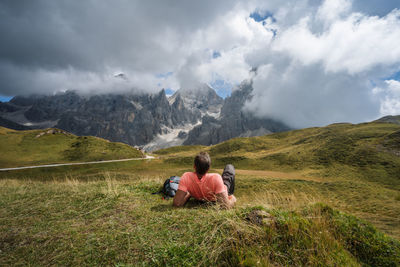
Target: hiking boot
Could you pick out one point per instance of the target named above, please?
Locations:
(228, 176)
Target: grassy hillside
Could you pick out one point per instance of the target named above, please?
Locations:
(391, 119)
(35, 147)
(369, 150)
(119, 222)
(315, 197)
(354, 167)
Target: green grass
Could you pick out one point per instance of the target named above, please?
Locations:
(182, 149)
(119, 222)
(358, 166)
(369, 151)
(22, 148)
(315, 197)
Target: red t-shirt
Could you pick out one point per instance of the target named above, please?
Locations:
(202, 189)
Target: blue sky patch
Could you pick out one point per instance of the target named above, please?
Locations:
(169, 91)
(164, 75)
(4, 98)
(222, 88)
(216, 54)
(261, 16)
(395, 76)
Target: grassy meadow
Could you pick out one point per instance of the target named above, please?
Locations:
(315, 197)
(38, 147)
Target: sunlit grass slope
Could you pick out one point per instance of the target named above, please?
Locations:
(20, 148)
(355, 168)
(312, 197)
(119, 222)
(369, 151)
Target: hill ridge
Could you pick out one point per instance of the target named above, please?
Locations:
(52, 145)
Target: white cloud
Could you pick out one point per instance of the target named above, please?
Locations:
(317, 60)
(305, 96)
(354, 44)
(389, 95)
(363, 43)
(42, 81)
(332, 10)
(319, 75)
(234, 36)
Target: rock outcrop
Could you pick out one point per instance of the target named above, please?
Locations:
(152, 121)
(13, 125)
(233, 121)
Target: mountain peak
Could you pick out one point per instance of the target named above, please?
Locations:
(202, 90)
(121, 76)
(150, 120)
(203, 100)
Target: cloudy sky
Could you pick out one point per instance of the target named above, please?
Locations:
(316, 61)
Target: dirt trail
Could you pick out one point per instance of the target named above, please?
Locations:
(75, 163)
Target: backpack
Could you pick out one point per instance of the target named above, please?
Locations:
(170, 186)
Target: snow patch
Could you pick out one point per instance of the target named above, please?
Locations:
(42, 124)
(215, 115)
(138, 106)
(169, 137)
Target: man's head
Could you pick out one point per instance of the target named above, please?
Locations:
(202, 163)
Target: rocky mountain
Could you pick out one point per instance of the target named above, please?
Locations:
(233, 121)
(132, 119)
(13, 125)
(195, 103)
(151, 121)
(202, 101)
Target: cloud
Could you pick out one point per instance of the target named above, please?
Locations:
(389, 95)
(325, 75)
(305, 96)
(317, 61)
(99, 37)
(332, 10)
(234, 35)
(354, 44)
(20, 80)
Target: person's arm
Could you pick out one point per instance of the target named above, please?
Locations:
(181, 197)
(226, 201)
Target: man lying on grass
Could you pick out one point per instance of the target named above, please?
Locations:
(204, 186)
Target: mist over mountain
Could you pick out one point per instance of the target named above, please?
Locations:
(233, 121)
(318, 62)
(151, 121)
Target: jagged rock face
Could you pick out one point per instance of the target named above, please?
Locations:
(52, 107)
(149, 120)
(233, 122)
(180, 113)
(201, 101)
(132, 119)
(7, 107)
(25, 101)
(12, 125)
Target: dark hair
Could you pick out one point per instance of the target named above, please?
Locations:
(202, 162)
